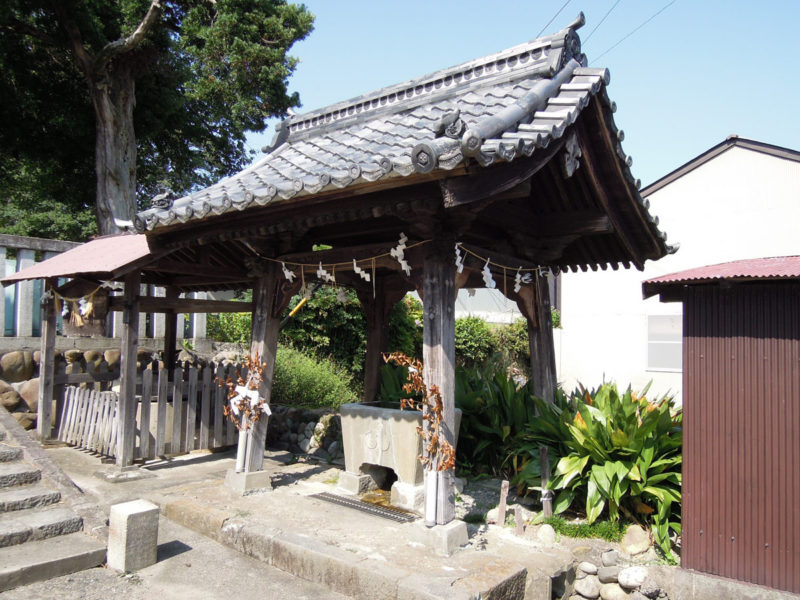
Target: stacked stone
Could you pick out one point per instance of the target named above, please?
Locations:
(302, 431)
(609, 580)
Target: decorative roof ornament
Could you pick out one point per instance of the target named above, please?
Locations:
(163, 200)
(450, 125)
(572, 154)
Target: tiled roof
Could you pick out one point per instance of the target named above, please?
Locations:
(495, 108)
(778, 267)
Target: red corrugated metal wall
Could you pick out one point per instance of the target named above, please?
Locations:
(741, 480)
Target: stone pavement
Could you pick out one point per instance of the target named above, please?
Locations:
(347, 551)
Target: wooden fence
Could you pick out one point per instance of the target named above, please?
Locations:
(175, 414)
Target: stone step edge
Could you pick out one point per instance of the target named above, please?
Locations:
(9, 453)
(61, 521)
(338, 569)
(24, 476)
(25, 497)
(52, 557)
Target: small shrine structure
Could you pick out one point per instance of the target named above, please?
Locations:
(492, 173)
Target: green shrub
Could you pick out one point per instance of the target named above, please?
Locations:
(611, 531)
(611, 453)
(405, 327)
(512, 341)
(309, 381)
(229, 327)
(474, 341)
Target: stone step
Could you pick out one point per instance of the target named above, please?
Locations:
(2, 435)
(17, 473)
(21, 526)
(45, 559)
(27, 496)
(9, 453)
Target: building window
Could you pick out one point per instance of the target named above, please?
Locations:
(664, 343)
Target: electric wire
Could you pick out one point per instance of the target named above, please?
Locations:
(558, 12)
(605, 16)
(665, 7)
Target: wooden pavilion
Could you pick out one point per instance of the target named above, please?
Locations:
(489, 173)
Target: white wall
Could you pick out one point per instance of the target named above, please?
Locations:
(741, 204)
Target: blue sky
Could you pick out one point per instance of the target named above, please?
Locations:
(696, 73)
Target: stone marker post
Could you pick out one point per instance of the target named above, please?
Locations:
(132, 535)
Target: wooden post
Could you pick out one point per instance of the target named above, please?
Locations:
(376, 313)
(46, 366)
(127, 388)
(264, 345)
(501, 508)
(170, 331)
(438, 356)
(540, 339)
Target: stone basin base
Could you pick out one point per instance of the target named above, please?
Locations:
(386, 437)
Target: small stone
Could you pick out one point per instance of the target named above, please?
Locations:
(588, 587)
(29, 391)
(74, 355)
(320, 453)
(650, 588)
(635, 541)
(608, 574)
(304, 444)
(580, 574)
(632, 577)
(301, 428)
(588, 567)
(333, 448)
(609, 558)
(10, 399)
(546, 535)
(92, 356)
(612, 591)
(111, 356)
(25, 419)
(319, 428)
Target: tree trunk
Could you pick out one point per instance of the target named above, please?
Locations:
(113, 97)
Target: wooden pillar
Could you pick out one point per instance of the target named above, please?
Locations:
(376, 313)
(264, 345)
(126, 430)
(438, 357)
(170, 331)
(540, 339)
(46, 366)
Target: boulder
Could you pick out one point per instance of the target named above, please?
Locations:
(112, 358)
(16, 366)
(37, 357)
(609, 558)
(608, 574)
(635, 541)
(10, 399)
(649, 589)
(29, 391)
(612, 591)
(26, 419)
(588, 587)
(73, 355)
(333, 448)
(588, 567)
(92, 356)
(546, 535)
(632, 577)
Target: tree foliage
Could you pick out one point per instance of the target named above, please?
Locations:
(195, 76)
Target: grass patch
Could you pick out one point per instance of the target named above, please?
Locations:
(475, 518)
(610, 531)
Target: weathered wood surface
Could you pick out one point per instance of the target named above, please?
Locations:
(127, 386)
(540, 340)
(438, 356)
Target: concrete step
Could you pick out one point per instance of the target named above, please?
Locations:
(27, 496)
(45, 559)
(36, 524)
(17, 473)
(9, 453)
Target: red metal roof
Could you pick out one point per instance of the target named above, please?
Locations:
(777, 267)
(105, 256)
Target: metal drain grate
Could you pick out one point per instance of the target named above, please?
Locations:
(372, 509)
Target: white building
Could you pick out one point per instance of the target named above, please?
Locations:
(740, 199)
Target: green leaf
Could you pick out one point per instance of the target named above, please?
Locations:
(594, 502)
(563, 501)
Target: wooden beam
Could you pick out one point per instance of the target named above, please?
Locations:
(127, 388)
(540, 339)
(20, 242)
(494, 181)
(176, 266)
(155, 304)
(46, 366)
(551, 225)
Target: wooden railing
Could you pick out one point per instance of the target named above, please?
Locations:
(175, 415)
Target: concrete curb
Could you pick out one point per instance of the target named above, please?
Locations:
(95, 522)
(339, 570)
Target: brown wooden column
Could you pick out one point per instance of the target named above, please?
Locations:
(376, 312)
(438, 354)
(170, 331)
(126, 431)
(264, 344)
(46, 366)
(540, 339)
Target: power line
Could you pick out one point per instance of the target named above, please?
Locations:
(665, 7)
(558, 12)
(605, 16)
